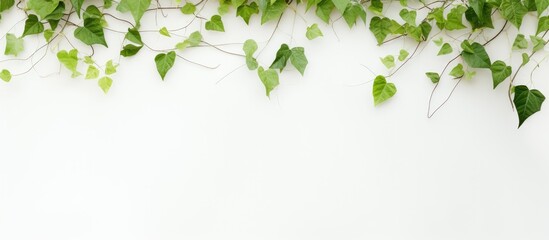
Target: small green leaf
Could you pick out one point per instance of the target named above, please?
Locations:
(251, 63)
(5, 75)
(376, 7)
(136, 7)
(92, 72)
(215, 24)
(341, 4)
(475, 55)
(543, 24)
(282, 56)
(110, 68)
(541, 5)
(445, 49)
(77, 4)
(435, 77)
(274, 11)
(354, 12)
(105, 84)
(249, 47)
(88, 60)
(382, 90)
(455, 18)
(525, 59)
(439, 41)
(513, 10)
(223, 8)
(538, 43)
(32, 26)
(92, 31)
(403, 54)
(520, 42)
(164, 62)
(388, 61)
(246, 11)
(48, 34)
(381, 28)
(298, 59)
(313, 32)
(134, 36)
(70, 61)
(188, 8)
(408, 16)
(527, 102)
(457, 71)
(269, 78)
(130, 50)
(6, 4)
(500, 71)
(14, 45)
(42, 7)
(164, 31)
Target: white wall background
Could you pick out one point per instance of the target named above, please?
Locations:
(191, 159)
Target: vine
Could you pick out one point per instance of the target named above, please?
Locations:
(87, 21)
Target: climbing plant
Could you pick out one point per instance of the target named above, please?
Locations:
(422, 21)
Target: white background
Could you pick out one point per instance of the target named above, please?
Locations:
(189, 158)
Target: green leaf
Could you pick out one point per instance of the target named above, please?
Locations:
(382, 90)
(475, 55)
(130, 50)
(92, 72)
(237, 3)
(298, 59)
(403, 54)
(48, 34)
(457, 71)
(110, 68)
(70, 61)
(274, 11)
(482, 21)
(188, 8)
(282, 56)
(313, 32)
(541, 5)
(520, 42)
(455, 18)
(251, 63)
(193, 40)
(380, 27)
(388, 61)
(408, 16)
(105, 84)
(223, 8)
(134, 36)
(6, 4)
(249, 47)
(215, 24)
(42, 7)
(527, 102)
(514, 11)
(88, 60)
(324, 10)
(525, 59)
(439, 41)
(136, 7)
(500, 71)
(246, 11)
(107, 4)
(538, 43)
(437, 14)
(77, 4)
(164, 31)
(164, 62)
(445, 49)
(435, 77)
(543, 24)
(14, 45)
(5, 75)
(269, 78)
(352, 13)
(57, 14)
(376, 7)
(32, 26)
(92, 31)
(341, 4)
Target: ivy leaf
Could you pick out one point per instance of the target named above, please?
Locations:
(237, 3)
(484, 20)
(193, 40)
(341, 4)
(525, 59)
(70, 61)
(188, 8)
(164, 31)
(455, 18)
(514, 11)
(437, 14)
(134, 36)
(541, 5)
(136, 7)
(376, 7)
(457, 71)
(403, 54)
(282, 56)
(5, 75)
(32, 26)
(538, 43)
(382, 90)
(475, 55)
(313, 32)
(249, 47)
(269, 78)
(380, 27)
(445, 49)
(6, 4)
(110, 68)
(324, 10)
(388, 61)
(42, 7)
(107, 4)
(57, 14)
(435, 77)
(246, 11)
(92, 72)
(14, 45)
(352, 13)
(92, 31)
(500, 71)
(105, 84)
(527, 102)
(88, 60)
(274, 11)
(77, 4)
(298, 59)
(408, 16)
(438, 41)
(520, 42)
(164, 62)
(215, 24)
(543, 24)
(130, 50)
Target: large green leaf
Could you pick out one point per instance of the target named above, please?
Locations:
(541, 5)
(6, 4)
(500, 71)
(14, 45)
(475, 55)
(382, 90)
(269, 78)
(527, 102)
(543, 24)
(273, 11)
(514, 11)
(57, 14)
(313, 32)
(91, 33)
(246, 11)
(105, 84)
(215, 24)
(324, 10)
(134, 36)
(341, 4)
(69, 60)
(164, 62)
(77, 4)
(42, 7)
(32, 26)
(353, 12)
(381, 28)
(130, 50)
(455, 18)
(136, 7)
(298, 59)
(282, 56)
